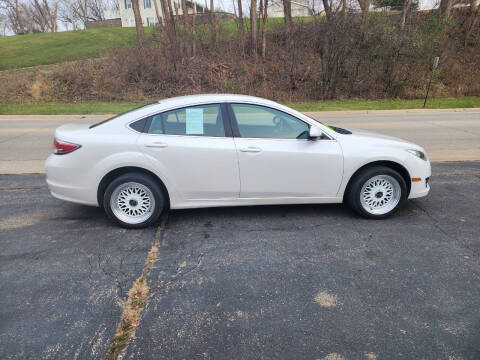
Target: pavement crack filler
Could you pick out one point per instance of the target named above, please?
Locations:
(138, 296)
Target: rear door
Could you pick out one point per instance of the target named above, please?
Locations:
(194, 149)
(277, 159)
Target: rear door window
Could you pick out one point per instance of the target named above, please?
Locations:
(201, 120)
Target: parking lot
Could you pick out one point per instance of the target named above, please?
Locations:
(272, 282)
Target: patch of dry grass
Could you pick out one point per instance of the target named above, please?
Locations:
(136, 301)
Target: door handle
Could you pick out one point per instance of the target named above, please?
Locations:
(157, 145)
(251, 149)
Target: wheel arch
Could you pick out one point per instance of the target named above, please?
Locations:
(387, 163)
(113, 174)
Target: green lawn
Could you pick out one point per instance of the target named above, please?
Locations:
(118, 107)
(335, 105)
(68, 108)
(49, 48)
(21, 51)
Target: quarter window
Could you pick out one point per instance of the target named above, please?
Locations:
(262, 122)
(195, 120)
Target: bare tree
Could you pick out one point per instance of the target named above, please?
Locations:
(445, 8)
(328, 10)
(186, 23)
(213, 29)
(44, 14)
(287, 10)
(405, 9)
(472, 22)
(157, 12)
(264, 15)
(253, 27)
(240, 19)
(365, 7)
(138, 22)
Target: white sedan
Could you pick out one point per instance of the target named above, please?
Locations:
(228, 150)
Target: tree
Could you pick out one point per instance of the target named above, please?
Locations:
(365, 7)
(445, 8)
(406, 8)
(287, 10)
(253, 27)
(472, 22)
(157, 12)
(138, 22)
(264, 15)
(213, 30)
(240, 18)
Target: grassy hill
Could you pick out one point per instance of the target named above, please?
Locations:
(22, 51)
(49, 48)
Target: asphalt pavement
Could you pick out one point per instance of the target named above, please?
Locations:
(447, 135)
(267, 282)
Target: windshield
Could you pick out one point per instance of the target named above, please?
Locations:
(121, 114)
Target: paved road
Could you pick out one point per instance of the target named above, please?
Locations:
(284, 282)
(26, 141)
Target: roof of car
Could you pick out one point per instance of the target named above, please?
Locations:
(193, 99)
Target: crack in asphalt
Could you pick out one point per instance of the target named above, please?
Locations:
(138, 296)
(438, 227)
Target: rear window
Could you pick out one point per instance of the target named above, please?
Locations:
(116, 116)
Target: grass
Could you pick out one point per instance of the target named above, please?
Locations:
(22, 51)
(49, 48)
(85, 108)
(435, 103)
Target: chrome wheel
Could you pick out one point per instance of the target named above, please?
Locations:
(132, 203)
(380, 194)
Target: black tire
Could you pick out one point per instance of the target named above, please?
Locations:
(150, 184)
(352, 196)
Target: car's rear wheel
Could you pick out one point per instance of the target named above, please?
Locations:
(134, 200)
(376, 192)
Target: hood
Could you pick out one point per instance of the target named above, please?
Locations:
(375, 137)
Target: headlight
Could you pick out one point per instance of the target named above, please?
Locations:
(418, 154)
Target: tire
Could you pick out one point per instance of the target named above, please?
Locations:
(134, 200)
(376, 192)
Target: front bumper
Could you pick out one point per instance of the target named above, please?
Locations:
(420, 188)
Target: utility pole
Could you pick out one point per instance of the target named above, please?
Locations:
(435, 65)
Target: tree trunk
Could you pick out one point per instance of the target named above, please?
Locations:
(157, 13)
(365, 7)
(212, 23)
(253, 27)
(264, 27)
(406, 7)
(186, 23)
(138, 22)
(444, 8)
(328, 10)
(287, 10)
(194, 32)
(240, 19)
(472, 20)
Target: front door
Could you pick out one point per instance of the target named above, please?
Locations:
(278, 160)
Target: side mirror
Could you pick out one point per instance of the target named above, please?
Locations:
(314, 132)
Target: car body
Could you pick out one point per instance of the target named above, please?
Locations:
(227, 150)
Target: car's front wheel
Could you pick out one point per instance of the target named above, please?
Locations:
(376, 192)
(134, 200)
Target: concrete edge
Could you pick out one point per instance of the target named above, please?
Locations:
(332, 112)
(393, 112)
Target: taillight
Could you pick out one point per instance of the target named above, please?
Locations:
(63, 147)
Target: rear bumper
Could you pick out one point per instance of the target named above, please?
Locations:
(68, 183)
